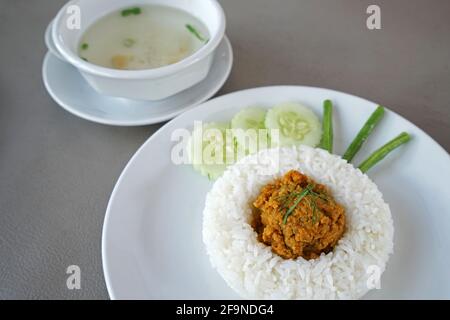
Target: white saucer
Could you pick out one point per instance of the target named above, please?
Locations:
(67, 87)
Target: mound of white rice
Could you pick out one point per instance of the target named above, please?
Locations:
(255, 272)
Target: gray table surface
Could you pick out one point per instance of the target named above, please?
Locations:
(57, 171)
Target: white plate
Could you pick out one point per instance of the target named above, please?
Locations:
(67, 87)
(152, 244)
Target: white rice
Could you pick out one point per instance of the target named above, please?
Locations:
(255, 272)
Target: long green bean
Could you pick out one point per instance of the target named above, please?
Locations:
(327, 126)
(363, 134)
(382, 152)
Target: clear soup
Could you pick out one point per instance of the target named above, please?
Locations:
(144, 37)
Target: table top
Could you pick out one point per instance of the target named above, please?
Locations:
(57, 171)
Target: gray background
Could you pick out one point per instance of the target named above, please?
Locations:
(57, 171)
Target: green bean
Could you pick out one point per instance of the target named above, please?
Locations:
(363, 134)
(327, 126)
(382, 152)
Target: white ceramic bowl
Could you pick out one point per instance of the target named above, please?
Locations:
(150, 84)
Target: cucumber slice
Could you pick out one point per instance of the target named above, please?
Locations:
(296, 123)
(249, 118)
(246, 126)
(207, 149)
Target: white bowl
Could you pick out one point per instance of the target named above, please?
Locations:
(150, 84)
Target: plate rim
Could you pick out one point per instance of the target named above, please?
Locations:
(161, 130)
(148, 120)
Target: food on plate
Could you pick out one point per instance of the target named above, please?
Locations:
(145, 37)
(248, 130)
(326, 142)
(298, 217)
(361, 137)
(249, 118)
(364, 133)
(256, 270)
(383, 151)
(296, 123)
(208, 151)
(287, 124)
(298, 222)
(253, 129)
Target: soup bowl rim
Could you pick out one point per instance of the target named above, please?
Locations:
(85, 66)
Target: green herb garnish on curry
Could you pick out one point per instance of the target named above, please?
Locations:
(298, 217)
